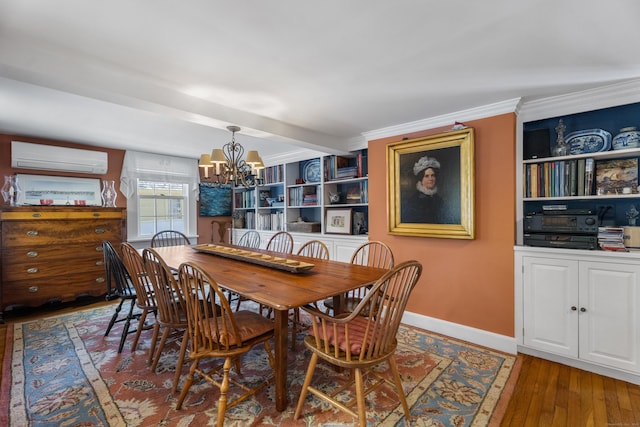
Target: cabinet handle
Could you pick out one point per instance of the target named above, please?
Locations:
(96, 214)
(574, 308)
(582, 309)
(99, 262)
(100, 280)
(32, 270)
(100, 230)
(32, 254)
(99, 249)
(32, 289)
(36, 215)
(32, 233)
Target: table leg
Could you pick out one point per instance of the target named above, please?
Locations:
(281, 334)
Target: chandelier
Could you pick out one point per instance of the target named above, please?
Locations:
(228, 164)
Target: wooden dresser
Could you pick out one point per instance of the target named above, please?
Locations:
(54, 253)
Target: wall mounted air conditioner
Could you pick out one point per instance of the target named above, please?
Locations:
(25, 155)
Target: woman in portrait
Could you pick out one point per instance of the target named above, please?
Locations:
(425, 205)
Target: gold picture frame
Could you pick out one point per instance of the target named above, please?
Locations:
(431, 186)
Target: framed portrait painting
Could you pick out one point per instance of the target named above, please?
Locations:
(431, 186)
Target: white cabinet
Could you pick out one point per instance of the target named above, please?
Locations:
(582, 305)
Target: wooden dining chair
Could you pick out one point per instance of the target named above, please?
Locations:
(119, 285)
(145, 295)
(282, 242)
(314, 249)
(250, 239)
(169, 238)
(223, 226)
(172, 310)
(372, 254)
(216, 332)
(359, 342)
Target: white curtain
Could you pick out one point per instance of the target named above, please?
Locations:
(157, 167)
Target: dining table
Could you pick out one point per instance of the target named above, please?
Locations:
(276, 288)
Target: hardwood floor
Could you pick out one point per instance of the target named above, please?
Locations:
(546, 394)
(550, 394)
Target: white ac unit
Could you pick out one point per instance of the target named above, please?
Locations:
(25, 155)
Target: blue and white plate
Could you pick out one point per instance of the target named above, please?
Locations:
(588, 141)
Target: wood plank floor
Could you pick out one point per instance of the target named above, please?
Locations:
(546, 394)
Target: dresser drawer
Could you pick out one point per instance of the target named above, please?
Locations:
(52, 269)
(35, 233)
(36, 292)
(39, 254)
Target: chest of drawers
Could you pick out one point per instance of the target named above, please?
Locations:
(54, 254)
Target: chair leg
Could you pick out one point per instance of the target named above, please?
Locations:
(143, 317)
(224, 387)
(400, 389)
(305, 385)
(187, 383)
(154, 339)
(114, 317)
(127, 325)
(183, 352)
(362, 414)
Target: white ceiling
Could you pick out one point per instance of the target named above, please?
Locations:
(168, 76)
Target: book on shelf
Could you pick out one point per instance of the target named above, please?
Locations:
(561, 178)
(611, 239)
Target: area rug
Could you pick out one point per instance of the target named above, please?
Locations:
(62, 371)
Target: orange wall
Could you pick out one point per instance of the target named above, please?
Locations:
(468, 282)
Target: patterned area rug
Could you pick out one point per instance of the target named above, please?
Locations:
(61, 371)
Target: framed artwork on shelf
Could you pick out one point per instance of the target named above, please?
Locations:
(619, 176)
(215, 199)
(431, 186)
(58, 190)
(338, 221)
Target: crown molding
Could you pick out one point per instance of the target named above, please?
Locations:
(610, 95)
(490, 110)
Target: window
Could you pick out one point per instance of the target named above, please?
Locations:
(161, 194)
(162, 206)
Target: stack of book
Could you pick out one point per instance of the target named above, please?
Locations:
(611, 239)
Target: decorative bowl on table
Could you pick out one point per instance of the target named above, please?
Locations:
(588, 141)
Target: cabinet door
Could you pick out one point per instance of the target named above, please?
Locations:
(550, 298)
(609, 318)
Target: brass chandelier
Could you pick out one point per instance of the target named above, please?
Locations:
(229, 165)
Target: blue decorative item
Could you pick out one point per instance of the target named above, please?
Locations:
(311, 171)
(589, 141)
(627, 138)
(215, 199)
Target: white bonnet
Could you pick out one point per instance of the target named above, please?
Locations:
(424, 163)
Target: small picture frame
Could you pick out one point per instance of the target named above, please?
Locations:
(338, 221)
(618, 176)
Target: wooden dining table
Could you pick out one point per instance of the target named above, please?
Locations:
(278, 289)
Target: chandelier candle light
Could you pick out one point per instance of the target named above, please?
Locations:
(228, 164)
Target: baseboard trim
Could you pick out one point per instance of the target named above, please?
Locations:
(465, 333)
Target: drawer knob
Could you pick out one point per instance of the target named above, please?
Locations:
(32, 233)
(36, 215)
(32, 254)
(99, 249)
(100, 230)
(32, 270)
(32, 289)
(99, 262)
(100, 280)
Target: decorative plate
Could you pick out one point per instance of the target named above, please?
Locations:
(588, 141)
(311, 172)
